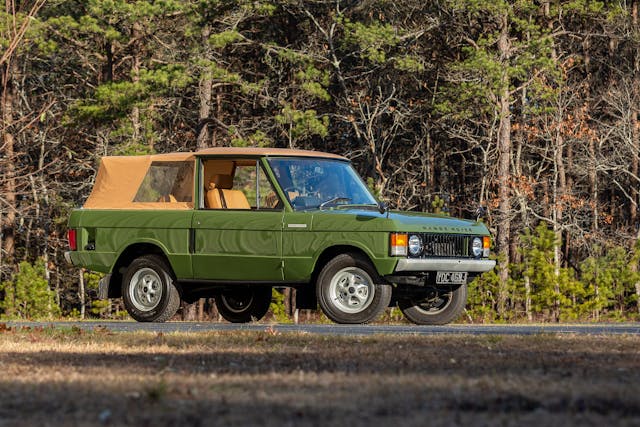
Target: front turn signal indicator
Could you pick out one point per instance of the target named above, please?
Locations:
(486, 246)
(398, 244)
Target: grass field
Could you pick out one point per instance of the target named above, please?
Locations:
(72, 377)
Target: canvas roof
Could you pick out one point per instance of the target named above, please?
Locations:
(119, 177)
(258, 151)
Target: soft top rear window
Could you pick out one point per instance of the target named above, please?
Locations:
(167, 182)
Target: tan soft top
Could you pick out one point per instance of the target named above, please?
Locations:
(120, 177)
(256, 151)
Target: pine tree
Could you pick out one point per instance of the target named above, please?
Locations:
(28, 296)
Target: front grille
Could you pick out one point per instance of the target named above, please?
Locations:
(445, 245)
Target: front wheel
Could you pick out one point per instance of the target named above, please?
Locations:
(148, 291)
(347, 290)
(438, 306)
(244, 304)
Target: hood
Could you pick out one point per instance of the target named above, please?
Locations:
(372, 220)
(431, 223)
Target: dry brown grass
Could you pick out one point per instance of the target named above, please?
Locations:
(72, 377)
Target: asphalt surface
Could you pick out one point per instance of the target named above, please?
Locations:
(355, 330)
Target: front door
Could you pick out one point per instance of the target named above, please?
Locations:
(237, 236)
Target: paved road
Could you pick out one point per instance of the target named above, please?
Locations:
(581, 329)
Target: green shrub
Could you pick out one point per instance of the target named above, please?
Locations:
(278, 308)
(28, 296)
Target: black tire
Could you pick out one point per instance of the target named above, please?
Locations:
(439, 307)
(349, 290)
(244, 304)
(148, 290)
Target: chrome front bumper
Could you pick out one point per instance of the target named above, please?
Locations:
(439, 264)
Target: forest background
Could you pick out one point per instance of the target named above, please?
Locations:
(529, 108)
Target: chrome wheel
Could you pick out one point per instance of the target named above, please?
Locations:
(145, 289)
(351, 290)
(148, 290)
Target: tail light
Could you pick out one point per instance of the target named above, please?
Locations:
(72, 238)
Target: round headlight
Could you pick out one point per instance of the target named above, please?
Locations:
(476, 247)
(415, 245)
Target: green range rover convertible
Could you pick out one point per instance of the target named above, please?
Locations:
(232, 223)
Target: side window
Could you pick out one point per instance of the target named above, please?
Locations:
(268, 197)
(245, 181)
(255, 185)
(167, 182)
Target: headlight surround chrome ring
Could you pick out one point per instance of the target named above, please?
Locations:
(415, 245)
(476, 247)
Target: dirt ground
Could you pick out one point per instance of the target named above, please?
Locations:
(76, 378)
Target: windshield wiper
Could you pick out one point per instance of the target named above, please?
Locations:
(334, 200)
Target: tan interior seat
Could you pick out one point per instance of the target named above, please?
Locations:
(168, 198)
(213, 199)
(221, 196)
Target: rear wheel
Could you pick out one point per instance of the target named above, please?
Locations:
(437, 306)
(244, 304)
(347, 290)
(148, 290)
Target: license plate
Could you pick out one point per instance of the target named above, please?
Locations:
(451, 277)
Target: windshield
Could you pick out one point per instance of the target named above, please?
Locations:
(318, 183)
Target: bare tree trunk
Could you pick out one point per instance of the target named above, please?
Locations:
(559, 192)
(136, 34)
(527, 298)
(204, 94)
(293, 309)
(81, 293)
(593, 184)
(57, 286)
(593, 164)
(635, 132)
(504, 175)
(559, 182)
(201, 309)
(635, 142)
(9, 94)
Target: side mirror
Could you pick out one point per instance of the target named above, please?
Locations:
(382, 207)
(481, 212)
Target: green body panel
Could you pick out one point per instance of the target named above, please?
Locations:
(112, 231)
(238, 245)
(302, 246)
(365, 229)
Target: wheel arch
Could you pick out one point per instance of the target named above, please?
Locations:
(332, 251)
(126, 257)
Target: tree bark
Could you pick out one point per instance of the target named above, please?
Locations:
(635, 132)
(504, 175)
(81, 293)
(204, 94)
(527, 298)
(635, 142)
(135, 77)
(7, 99)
